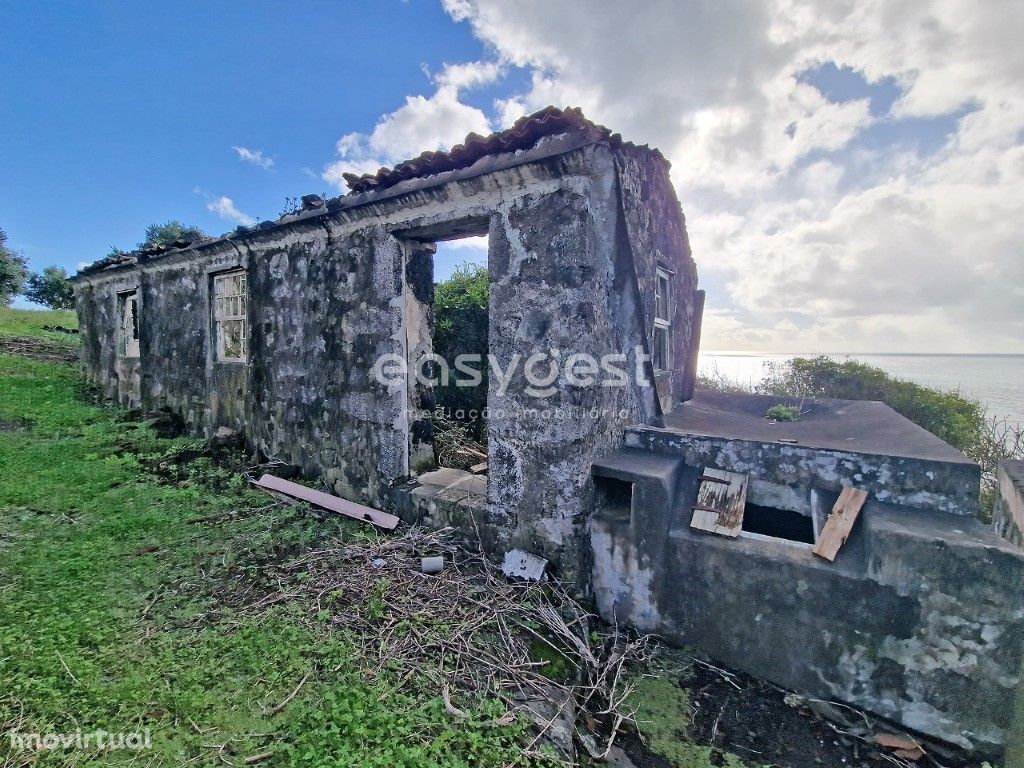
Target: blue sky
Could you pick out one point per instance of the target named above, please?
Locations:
(853, 177)
(125, 110)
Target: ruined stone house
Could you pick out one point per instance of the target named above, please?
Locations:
(275, 331)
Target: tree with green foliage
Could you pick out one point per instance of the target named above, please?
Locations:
(168, 232)
(956, 419)
(163, 234)
(13, 271)
(460, 328)
(960, 421)
(51, 288)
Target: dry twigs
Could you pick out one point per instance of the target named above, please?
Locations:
(468, 626)
(38, 349)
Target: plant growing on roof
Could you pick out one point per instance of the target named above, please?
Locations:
(783, 413)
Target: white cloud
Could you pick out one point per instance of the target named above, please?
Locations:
(469, 75)
(821, 234)
(254, 156)
(472, 243)
(225, 208)
(423, 123)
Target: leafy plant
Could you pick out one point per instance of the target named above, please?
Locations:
(13, 271)
(51, 288)
(168, 232)
(783, 413)
(460, 328)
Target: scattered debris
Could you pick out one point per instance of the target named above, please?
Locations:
(454, 445)
(903, 746)
(840, 522)
(431, 565)
(767, 725)
(328, 501)
(479, 469)
(522, 565)
(479, 628)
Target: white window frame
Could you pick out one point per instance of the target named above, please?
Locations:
(230, 300)
(662, 324)
(129, 328)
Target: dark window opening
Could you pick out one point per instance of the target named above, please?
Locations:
(128, 307)
(778, 523)
(614, 498)
(662, 351)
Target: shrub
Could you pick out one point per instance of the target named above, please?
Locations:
(460, 328)
(783, 413)
(961, 421)
(956, 419)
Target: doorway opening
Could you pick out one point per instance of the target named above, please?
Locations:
(448, 327)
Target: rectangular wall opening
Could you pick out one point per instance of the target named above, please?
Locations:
(448, 327)
(613, 498)
(778, 523)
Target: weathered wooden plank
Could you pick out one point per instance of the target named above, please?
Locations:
(329, 501)
(840, 522)
(721, 500)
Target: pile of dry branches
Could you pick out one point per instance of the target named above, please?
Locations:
(471, 629)
(38, 349)
(454, 444)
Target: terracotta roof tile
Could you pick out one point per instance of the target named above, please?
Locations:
(526, 132)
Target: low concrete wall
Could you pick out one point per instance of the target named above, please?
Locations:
(942, 486)
(1008, 514)
(920, 618)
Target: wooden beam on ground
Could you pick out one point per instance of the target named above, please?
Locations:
(329, 502)
(721, 500)
(840, 522)
(477, 469)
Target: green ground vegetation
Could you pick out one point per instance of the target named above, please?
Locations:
(31, 323)
(111, 614)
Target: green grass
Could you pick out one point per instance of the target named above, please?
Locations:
(108, 618)
(30, 322)
(663, 715)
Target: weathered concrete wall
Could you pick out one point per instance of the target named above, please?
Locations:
(777, 469)
(325, 305)
(554, 262)
(919, 619)
(175, 368)
(118, 377)
(179, 368)
(1008, 515)
(571, 259)
(654, 234)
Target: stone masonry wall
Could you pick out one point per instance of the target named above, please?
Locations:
(571, 254)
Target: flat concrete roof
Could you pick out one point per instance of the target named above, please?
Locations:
(860, 426)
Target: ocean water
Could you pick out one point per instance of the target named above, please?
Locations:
(996, 380)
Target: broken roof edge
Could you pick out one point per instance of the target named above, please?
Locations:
(552, 131)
